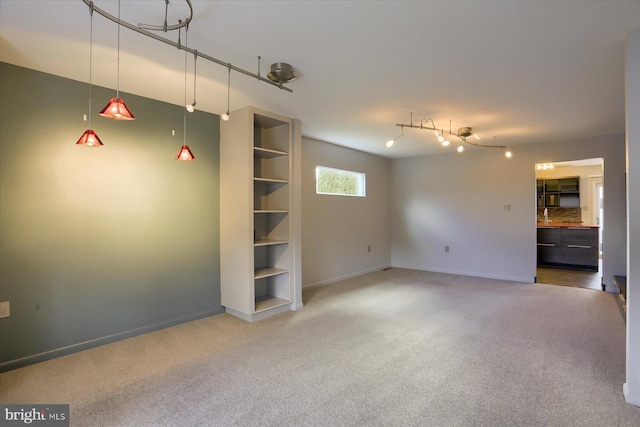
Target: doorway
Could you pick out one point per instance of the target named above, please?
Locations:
(570, 200)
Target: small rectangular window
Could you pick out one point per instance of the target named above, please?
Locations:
(340, 182)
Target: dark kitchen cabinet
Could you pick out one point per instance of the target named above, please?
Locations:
(549, 245)
(558, 192)
(571, 247)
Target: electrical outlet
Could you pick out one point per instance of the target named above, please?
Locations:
(369, 248)
(446, 249)
(5, 309)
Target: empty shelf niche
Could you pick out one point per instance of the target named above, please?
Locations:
(270, 260)
(271, 148)
(272, 282)
(270, 195)
(272, 291)
(275, 168)
(271, 134)
(273, 226)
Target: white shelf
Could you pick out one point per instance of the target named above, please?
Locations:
(267, 153)
(270, 181)
(269, 302)
(270, 242)
(269, 272)
(270, 211)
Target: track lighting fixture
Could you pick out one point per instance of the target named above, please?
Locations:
(281, 72)
(390, 142)
(89, 138)
(116, 108)
(185, 153)
(441, 139)
(192, 107)
(465, 134)
(225, 116)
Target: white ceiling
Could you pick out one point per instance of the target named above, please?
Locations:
(522, 71)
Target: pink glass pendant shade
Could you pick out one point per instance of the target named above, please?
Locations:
(185, 154)
(89, 139)
(117, 109)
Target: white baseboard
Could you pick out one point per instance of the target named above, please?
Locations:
(345, 277)
(522, 279)
(260, 315)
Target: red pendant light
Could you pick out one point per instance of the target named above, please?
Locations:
(90, 138)
(185, 154)
(116, 108)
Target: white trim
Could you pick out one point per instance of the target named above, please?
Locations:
(522, 279)
(345, 277)
(360, 176)
(631, 398)
(260, 315)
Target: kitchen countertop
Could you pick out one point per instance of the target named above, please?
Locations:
(565, 224)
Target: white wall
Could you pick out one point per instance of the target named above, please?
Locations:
(632, 72)
(458, 200)
(337, 230)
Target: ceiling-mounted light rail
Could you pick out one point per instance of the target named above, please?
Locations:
(165, 27)
(141, 30)
(465, 134)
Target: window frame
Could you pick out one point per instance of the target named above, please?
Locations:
(361, 178)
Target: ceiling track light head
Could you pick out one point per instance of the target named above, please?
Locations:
(281, 72)
(464, 132)
(226, 116)
(390, 142)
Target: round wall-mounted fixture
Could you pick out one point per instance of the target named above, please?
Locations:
(281, 73)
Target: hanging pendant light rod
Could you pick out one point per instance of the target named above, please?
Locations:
(180, 46)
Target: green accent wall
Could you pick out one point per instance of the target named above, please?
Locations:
(99, 244)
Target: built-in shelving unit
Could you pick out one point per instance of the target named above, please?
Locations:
(257, 197)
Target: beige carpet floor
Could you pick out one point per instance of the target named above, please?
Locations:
(391, 348)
